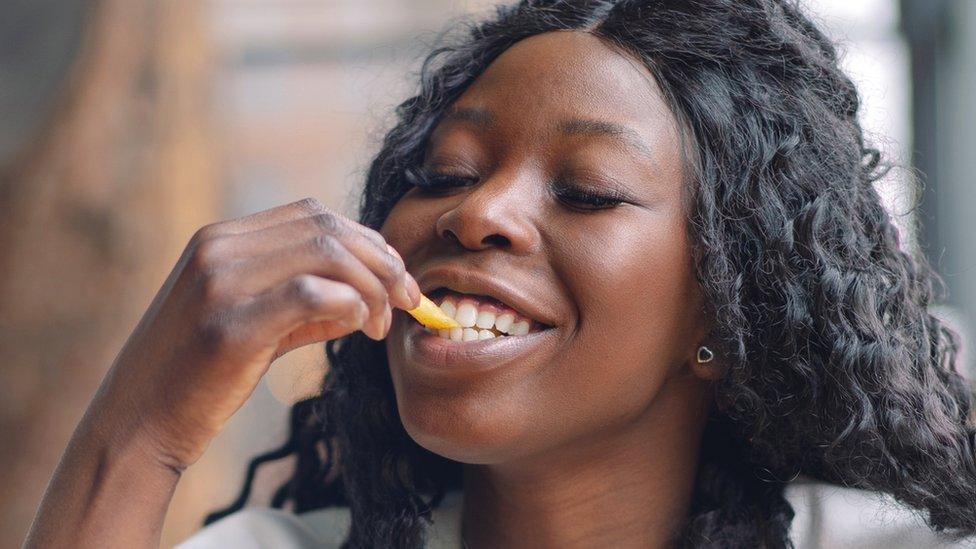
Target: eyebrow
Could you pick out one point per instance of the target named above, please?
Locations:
(484, 119)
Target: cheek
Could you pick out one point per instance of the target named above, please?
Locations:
(633, 287)
(408, 224)
(638, 276)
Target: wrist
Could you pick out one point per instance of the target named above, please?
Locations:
(110, 488)
(134, 427)
(139, 451)
(132, 454)
(122, 439)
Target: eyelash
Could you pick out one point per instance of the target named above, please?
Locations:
(573, 196)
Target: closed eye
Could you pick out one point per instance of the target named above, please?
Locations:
(428, 181)
(584, 199)
(573, 196)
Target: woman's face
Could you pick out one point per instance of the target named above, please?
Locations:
(613, 287)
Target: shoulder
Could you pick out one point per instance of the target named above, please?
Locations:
(258, 527)
(828, 515)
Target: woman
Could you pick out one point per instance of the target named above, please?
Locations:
(674, 202)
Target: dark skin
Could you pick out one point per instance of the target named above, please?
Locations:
(591, 442)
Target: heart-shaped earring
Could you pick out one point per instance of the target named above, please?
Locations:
(705, 355)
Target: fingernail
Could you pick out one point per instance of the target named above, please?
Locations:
(408, 289)
(403, 296)
(388, 320)
(413, 291)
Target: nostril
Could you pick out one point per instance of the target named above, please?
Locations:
(496, 239)
(448, 234)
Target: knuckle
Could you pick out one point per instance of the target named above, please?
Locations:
(374, 295)
(204, 233)
(305, 290)
(374, 237)
(326, 245)
(327, 223)
(311, 204)
(206, 254)
(393, 269)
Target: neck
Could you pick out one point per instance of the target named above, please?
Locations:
(629, 486)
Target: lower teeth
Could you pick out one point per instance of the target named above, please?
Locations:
(467, 334)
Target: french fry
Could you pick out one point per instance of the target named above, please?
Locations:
(430, 315)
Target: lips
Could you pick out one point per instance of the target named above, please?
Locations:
(508, 292)
(442, 358)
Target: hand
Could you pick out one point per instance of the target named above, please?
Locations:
(243, 293)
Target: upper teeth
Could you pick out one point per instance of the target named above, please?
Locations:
(477, 324)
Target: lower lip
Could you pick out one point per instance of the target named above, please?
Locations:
(431, 350)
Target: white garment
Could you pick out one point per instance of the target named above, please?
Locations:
(827, 517)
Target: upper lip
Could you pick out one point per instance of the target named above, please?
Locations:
(470, 281)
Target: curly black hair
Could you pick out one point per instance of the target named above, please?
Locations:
(838, 369)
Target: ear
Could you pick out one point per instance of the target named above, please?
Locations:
(706, 364)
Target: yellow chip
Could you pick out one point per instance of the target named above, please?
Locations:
(430, 315)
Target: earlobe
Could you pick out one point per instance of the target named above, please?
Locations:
(706, 367)
(705, 355)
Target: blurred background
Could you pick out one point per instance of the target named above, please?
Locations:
(127, 124)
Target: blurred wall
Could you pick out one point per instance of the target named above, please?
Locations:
(942, 35)
(38, 42)
(108, 167)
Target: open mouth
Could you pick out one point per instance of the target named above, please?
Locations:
(481, 317)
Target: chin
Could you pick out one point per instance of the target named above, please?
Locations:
(467, 430)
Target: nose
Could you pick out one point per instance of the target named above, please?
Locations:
(495, 212)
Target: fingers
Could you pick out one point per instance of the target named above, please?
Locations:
(301, 209)
(324, 256)
(247, 256)
(298, 222)
(267, 218)
(322, 245)
(301, 301)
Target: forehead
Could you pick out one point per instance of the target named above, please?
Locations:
(570, 73)
(542, 81)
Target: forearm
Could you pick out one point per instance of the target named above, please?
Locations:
(109, 490)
